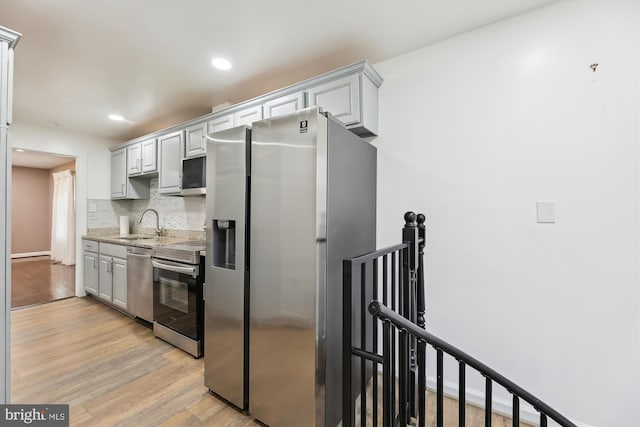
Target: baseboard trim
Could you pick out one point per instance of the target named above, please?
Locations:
(30, 254)
(476, 398)
(499, 406)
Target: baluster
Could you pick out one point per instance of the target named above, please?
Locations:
(387, 374)
(516, 411)
(462, 395)
(403, 369)
(374, 348)
(363, 344)
(487, 402)
(439, 390)
(422, 383)
(403, 341)
(385, 282)
(543, 420)
(394, 286)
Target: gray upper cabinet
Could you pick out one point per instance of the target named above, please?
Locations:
(149, 161)
(195, 144)
(247, 116)
(134, 159)
(349, 93)
(119, 174)
(142, 158)
(121, 186)
(220, 122)
(169, 175)
(283, 105)
(340, 97)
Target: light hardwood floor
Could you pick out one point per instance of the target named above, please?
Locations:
(109, 369)
(113, 372)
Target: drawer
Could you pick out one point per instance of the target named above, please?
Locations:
(90, 245)
(109, 249)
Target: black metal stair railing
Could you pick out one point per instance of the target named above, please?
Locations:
(385, 289)
(464, 360)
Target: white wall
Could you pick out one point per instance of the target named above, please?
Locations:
(486, 124)
(93, 168)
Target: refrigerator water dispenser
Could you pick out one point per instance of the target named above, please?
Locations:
(224, 243)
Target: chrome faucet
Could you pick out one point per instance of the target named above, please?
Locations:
(158, 229)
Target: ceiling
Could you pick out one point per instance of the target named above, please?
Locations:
(149, 60)
(36, 159)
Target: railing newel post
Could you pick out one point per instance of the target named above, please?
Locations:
(421, 308)
(410, 269)
(347, 374)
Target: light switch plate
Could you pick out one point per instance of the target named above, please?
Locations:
(546, 211)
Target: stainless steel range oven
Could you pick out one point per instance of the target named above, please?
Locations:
(178, 307)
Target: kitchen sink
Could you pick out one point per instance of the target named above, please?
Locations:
(136, 237)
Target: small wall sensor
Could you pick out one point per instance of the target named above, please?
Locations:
(546, 212)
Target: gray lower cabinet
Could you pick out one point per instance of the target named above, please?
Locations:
(105, 279)
(105, 272)
(91, 272)
(119, 275)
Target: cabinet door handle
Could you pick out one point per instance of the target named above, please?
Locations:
(109, 267)
(122, 189)
(95, 263)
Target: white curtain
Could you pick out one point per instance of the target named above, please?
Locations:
(63, 231)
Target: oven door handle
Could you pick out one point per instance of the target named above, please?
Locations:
(192, 271)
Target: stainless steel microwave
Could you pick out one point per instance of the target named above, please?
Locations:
(194, 176)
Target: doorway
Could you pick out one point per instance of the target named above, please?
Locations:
(39, 273)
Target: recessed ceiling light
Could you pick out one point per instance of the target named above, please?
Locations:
(20, 150)
(221, 63)
(116, 117)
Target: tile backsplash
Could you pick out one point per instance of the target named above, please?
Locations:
(176, 213)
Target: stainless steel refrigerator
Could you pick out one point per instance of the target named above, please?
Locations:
(306, 201)
(226, 291)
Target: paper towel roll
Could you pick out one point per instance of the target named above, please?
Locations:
(124, 225)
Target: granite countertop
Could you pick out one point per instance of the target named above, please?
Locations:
(140, 240)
